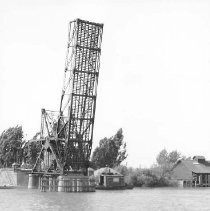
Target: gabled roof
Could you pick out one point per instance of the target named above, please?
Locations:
(196, 167)
(197, 157)
(106, 171)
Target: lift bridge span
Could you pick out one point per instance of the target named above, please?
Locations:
(67, 135)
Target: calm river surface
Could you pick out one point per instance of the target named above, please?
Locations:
(169, 199)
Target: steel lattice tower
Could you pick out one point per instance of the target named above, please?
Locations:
(67, 135)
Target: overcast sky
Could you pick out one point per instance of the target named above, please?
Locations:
(154, 80)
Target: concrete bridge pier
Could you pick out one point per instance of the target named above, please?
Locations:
(33, 181)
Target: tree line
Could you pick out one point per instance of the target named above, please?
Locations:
(158, 175)
(15, 149)
(110, 152)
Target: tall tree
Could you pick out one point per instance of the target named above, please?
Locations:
(31, 150)
(167, 160)
(173, 156)
(110, 152)
(11, 141)
(162, 158)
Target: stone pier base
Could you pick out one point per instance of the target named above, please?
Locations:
(69, 183)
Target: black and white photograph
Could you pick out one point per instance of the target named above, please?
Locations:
(104, 105)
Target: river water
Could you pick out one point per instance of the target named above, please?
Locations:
(155, 199)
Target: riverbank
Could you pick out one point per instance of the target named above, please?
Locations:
(146, 177)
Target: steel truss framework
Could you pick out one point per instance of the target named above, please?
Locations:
(67, 135)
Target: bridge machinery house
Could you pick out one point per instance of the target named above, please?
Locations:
(107, 178)
(192, 173)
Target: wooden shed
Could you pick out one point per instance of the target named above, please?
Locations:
(107, 178)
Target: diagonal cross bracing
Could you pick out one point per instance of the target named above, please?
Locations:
(78, 100)
(67, 135)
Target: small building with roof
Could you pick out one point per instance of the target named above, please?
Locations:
(192, 172)
(108, 178)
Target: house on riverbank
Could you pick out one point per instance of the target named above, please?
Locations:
(107, 178)
(192, 173)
